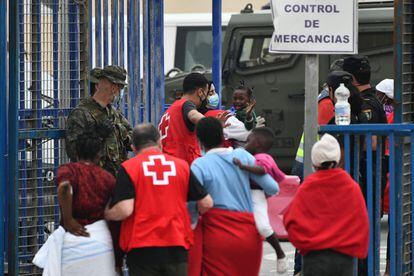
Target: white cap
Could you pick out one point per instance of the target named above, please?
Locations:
(326, 150)
(386, 86)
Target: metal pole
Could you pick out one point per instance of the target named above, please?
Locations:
(114, 32)
(134, 87)
(98, 33)
(216, 68)
(153, 60)
(13, 263)
(3, 123)
(105, 33)
(311, 108)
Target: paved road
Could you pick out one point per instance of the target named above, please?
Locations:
(269, 257)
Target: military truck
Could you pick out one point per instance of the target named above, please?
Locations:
(278, 79)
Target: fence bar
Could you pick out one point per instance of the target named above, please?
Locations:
(412, 201)
(3, 123)
(73, 53)
(377, 206)
(105, 33)
(121, 34)
(13, 268)
(392, 205)
(216, 67)
(56, 88)
(370, 203)
(91, 56)
(347, 155)
(153, 60)
(356, 159)
(134, 88)
(98, 33)
(114, 31)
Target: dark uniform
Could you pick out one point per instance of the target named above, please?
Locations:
(372, 112)
(117, 130)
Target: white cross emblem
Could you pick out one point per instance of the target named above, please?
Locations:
(156, 168)
(164, 125)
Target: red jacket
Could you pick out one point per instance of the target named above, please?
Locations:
(160, 217)
(176, 139)
(329, 212)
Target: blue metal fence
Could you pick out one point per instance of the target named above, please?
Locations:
(353, 148)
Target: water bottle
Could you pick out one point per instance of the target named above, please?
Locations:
(342, 107)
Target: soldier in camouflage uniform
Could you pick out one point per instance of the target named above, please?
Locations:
(97, 111)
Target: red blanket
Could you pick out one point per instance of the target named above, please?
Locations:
(231, 245)
(329, 212)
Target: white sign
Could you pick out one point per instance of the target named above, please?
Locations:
(315, 26)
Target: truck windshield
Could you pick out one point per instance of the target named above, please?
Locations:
(194, 47)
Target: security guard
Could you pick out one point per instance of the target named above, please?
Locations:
(372, 112)
(98, 111)
(360, 69)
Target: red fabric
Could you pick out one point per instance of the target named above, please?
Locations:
(329, 212)
(160, 216)
(386, 202)
(326, 110)
(386, 198)
(92, 187)
(231, 244)
(176, 139)
(195, 254)
(215, 113)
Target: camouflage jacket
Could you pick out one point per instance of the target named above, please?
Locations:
(116, 145)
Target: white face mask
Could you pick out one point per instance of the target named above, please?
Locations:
(213, 101)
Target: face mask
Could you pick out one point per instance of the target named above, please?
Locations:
(203, 107)
(213, 101)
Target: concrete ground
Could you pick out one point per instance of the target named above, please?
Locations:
(269, 257)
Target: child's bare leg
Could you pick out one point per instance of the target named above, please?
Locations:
(274, 242)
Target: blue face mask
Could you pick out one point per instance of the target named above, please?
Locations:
(213, 101)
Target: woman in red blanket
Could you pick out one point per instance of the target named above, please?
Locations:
(327, 220)
(226, 237)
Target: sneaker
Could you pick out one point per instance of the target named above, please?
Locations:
(281, 265)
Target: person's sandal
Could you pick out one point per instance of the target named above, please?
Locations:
(281, 265)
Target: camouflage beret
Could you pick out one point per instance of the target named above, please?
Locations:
(95, 74)
(114, 73)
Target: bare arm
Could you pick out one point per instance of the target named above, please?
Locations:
(251, 169)
(121, 210)
(194, 116)
(205, 204)
(65, 202)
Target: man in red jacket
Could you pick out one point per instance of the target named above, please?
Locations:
(178, 123)
(327, 220)
(150, 197)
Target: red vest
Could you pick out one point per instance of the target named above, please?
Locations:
(160, 217)
(176, 139)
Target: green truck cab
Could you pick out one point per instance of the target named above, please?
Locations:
(278, 79)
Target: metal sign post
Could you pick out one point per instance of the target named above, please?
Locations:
(311, 109)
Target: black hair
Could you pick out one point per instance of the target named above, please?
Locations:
(210, 132)
(144, 134)
(249, 90)
(327, 165)
(88, 144)
(193, 81)
(363, 77)
(265, 137)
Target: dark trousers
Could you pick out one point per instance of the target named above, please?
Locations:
(297, 169)
(327, 263)
(167, 269)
